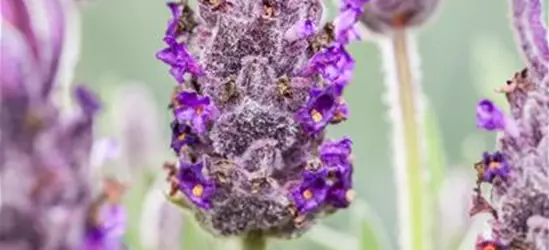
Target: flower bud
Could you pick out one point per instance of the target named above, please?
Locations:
(384, 16)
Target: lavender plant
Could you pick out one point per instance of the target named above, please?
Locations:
(259, 82)
(44, 154)
(517, 171)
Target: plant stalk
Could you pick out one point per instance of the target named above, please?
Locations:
(254, 241)
(408, 105)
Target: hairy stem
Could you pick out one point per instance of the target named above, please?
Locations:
(254, 241)
(407, 101)
(408, 147)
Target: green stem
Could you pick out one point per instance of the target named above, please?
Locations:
(254, 241)
(408, 105)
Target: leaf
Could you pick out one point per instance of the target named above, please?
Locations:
(437, 163)
(368, 227)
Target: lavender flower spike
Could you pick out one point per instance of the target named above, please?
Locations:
(520, 200)
(44, 152)
(248, 127)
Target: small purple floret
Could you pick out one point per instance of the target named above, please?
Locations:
(312, 191)
(172, 30)
(340, 185)
(181, 135)
(345, 22)
(87, 100)
(335, 153)
(108, 235)
(180, 60)
(194, 110)
(194, 184)
(334, 64)
(496, 166)
(320, 110)
(489, 116)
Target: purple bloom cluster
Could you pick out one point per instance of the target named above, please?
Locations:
(259, 82)
(519, 170)
(329, 183)
(45, 150)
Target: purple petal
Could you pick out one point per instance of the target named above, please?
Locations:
(87, 100)
(489, 116)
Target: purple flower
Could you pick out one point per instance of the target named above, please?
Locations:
(180, 60)
(300, 30)
(495, 166)
(335, 153)
(87, 100)
(173, 23)
(345, 22)
(195, 110)
(312, 191)
(333, 63)
(340, 180)
(108, 233)
(181, 135)
(320, 109)
(194, 184)
(489, 116)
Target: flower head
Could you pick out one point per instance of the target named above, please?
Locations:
(182, 135)
(489, 116)
(321, 109)
(336, 153)
(312, 191)
(194, 110)
(333, 63)
(495, 166)
(180, 60)
(194, 184)
(269, 84)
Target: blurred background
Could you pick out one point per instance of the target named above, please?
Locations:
(466, 52)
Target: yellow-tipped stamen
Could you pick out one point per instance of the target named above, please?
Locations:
(317, 116)
(307, 194)
(198, 190)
